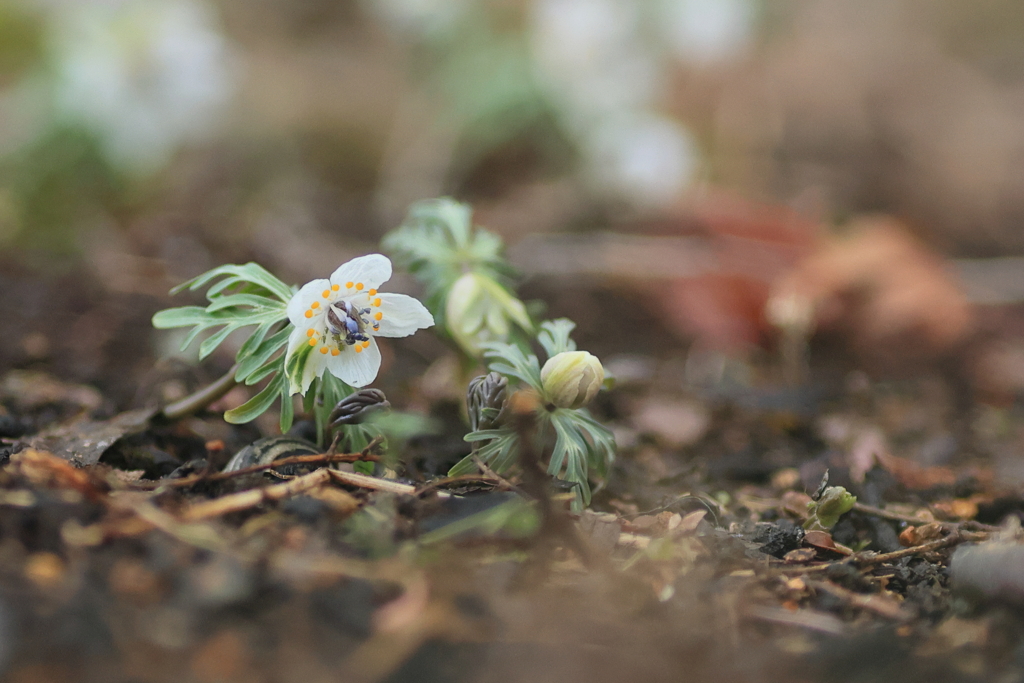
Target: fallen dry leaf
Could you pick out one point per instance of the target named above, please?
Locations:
(800, 555)
(916, 535)
(84, 442)
(689, 523)
(891, 298)
(750, 245)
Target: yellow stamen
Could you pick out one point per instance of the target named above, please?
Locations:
(310, 332)
(366, 344)
(335, 352)
(358, 348)
(309, 314)
(312, 342)
(376, 316)
(376, 302)
(372, 292)
(335, 288)
(359, 286)
(315, 304)
(327, 293)
(324, 349)
(349, 285)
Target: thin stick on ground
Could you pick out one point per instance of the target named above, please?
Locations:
(954, 538)
(319, 459)
(368, 482)
(867, 559)
(910, 519)
(462, 478)
(883, 605)
(494, 475)
(244, 500)
(888, 514)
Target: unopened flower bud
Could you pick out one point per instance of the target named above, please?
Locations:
(480, 310)
(485, 400)
(571, 379)
(355, 408)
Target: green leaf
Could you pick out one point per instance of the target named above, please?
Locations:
(287, 408)
(601, 445)
(497, 452)
(563, 443)
(184, 316)
(510, 360)
(505, 454)
(258, 299)
(258, 404)
(444, 214)
(485, 435)
(267, 348)
(214, 340)
(554, 336)
(253, 342)
(438, 244)
(258, 304)
(575, 471)
(571, 449)
(464, 466)
(271, 366)
(248, 273)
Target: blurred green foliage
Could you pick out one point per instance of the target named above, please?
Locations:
(53, 185)
(21, 41)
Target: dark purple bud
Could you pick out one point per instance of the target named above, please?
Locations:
(355, 408)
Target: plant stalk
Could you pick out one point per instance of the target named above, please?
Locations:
(198, 400)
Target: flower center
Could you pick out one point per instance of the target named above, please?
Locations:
(344, 321)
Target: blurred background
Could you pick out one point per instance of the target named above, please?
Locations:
(713, 183)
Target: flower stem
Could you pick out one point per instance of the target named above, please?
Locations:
(200, 399)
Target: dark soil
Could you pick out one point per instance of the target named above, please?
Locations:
(691, 563)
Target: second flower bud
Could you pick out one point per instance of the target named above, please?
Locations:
(571, 379)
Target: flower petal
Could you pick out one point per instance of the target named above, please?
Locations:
(299, 304)
(316, 363)
(401, 315)
(296, 340)
(356, 369)
(372, 270)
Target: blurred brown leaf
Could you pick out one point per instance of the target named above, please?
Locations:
(888, 295)
(751, 245)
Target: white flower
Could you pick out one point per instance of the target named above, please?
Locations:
(337, 319)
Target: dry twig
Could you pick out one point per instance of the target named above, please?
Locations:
(880, 604)
(462, 478)
(954, 538)
(318, 459)
(244, 500)
(910, 519)
(367, 482)
(866, 559)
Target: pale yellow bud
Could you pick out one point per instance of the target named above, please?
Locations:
(479, 310)
(571, 379)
